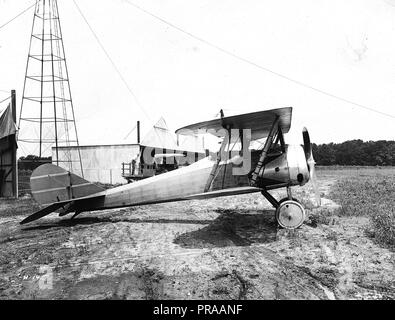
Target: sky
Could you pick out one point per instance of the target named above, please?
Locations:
(344, 48)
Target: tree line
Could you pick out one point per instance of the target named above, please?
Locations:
(356, 153)
(32, 162)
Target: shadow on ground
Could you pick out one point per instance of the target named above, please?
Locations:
(238, 227)
(86, 221)
(232, 228)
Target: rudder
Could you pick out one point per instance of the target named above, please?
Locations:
(50, 183)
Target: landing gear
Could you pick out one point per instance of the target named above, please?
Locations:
(75, 215)
(290, 214)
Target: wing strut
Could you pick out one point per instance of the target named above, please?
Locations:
(266, 148)
(215, 167)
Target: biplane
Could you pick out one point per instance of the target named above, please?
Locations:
(253, 157)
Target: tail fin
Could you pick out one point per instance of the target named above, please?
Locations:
(50, 184)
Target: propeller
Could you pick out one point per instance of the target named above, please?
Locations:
(308, 151)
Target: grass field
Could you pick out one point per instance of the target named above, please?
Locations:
(369, 193)
(223, 248)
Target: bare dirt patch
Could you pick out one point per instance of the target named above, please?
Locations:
(224, 248)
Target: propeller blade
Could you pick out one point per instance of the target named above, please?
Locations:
(306, 144)
(308, 150)
(313, 178)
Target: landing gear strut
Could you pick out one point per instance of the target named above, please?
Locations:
(290, 214)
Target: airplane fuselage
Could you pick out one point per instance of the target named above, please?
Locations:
(187, 183)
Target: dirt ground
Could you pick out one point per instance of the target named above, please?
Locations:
(224, 248)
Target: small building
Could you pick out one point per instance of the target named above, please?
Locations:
(101, 163)
(8, 147)
(107, 163)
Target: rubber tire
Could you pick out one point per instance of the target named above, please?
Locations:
(278, 211)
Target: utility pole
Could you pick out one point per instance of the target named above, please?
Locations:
(14, 160)
(138, 132)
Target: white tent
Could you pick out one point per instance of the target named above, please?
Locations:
(161, 137)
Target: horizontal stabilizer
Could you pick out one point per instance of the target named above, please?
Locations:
(42, 213)
(78, 205)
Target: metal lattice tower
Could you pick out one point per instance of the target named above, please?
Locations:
(47, 113)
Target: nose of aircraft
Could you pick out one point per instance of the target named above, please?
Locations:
(297, 165)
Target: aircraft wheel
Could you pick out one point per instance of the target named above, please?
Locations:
(290, 214)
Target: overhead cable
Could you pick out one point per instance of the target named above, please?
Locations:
(240, 58)
(5, 99)
(18, 15)
(112, 61)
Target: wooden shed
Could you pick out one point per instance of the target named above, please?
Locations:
(8, 147)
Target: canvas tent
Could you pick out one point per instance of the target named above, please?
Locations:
(161, 138)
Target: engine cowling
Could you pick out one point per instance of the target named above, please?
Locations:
(290, 167)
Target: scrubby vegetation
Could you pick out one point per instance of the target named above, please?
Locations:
(383, 223)
(327, 216)
(32, 162)
(373, 196)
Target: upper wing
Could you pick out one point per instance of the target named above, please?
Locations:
(260, 123)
